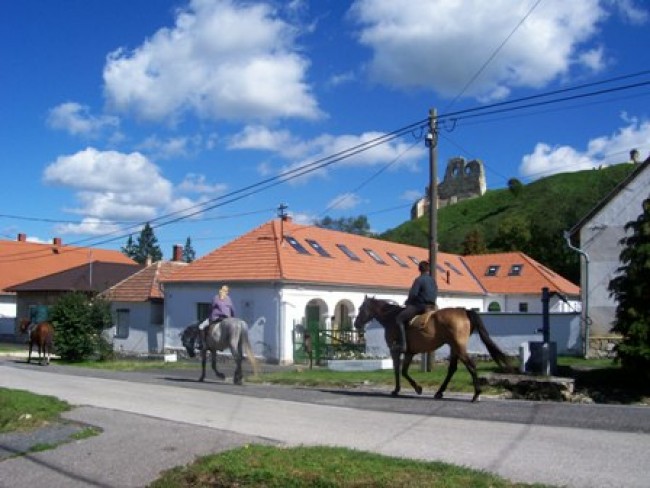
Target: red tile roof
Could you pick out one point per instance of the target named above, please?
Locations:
(22, 261)
(260, 255)
(532, 276)
(143, 285)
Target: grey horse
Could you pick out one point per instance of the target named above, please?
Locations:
(228, 333)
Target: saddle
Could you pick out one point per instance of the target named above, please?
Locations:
(420, 321)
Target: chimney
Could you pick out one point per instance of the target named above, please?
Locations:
(149, 261)
(177, 253)
(22, 237)
(56, 241)
(635, 156)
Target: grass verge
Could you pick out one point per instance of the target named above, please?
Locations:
(23, 411)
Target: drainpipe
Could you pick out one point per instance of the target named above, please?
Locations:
(585, 305)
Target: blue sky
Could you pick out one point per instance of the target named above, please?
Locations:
(186, 114)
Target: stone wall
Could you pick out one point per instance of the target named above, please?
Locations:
(603, 346)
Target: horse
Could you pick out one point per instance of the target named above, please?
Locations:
(42, 335)
(230, 332)
(451, 326)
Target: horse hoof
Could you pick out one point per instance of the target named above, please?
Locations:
(394, 393)
(437, 396)
(418, 390)
(476, 399)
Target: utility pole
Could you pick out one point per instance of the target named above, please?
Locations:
(431, 142)
(283, 217)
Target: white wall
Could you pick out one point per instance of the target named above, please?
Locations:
(7, 314)
(144, 337)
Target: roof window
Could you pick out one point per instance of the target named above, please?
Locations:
(318, 248)
(453, 268)
(347, 252)
(492, 270)
(374, 256)
(515, 270)
(397, 259)
(296, 245)
(415, 260)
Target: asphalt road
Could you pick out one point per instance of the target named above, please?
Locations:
(157, 419)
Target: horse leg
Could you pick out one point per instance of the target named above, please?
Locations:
(471, 367)
(219, 374)
(395, 354)
(408, 357)
(453, 366)
(203, 359)
(29, 356)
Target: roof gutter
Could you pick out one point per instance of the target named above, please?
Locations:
(585, 291)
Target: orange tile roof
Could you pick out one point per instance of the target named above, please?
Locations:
(260, 255)
(143, 285)
(532, 278)
(22, 261)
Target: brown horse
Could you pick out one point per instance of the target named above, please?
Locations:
(451, 326)
(42, 335)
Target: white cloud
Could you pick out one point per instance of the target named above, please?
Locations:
(194, 183)
(221, 60)
(88, 226)
(173, 147)
(442, 45)
(76, 119)
(412, 195)
(345, 201)
(630, 12)
(111, 185)
(605, 150)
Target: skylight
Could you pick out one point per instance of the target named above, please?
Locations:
(318, 248)
(492, 270)
(347, 252)
(397, 259)
(296, 245)
(515, 270)
(441, 269)
(374, 256)
(453, 268)
(415, 260)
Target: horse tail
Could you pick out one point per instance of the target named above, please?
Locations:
(248, 349)
(497, 354)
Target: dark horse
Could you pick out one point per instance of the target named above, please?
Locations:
(43, 336)
(451, 326)
(230, 332)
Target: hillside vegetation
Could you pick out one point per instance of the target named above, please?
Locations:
(529, 218)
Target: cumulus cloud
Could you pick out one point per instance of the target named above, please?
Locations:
(173, 147)
(221, 60)
(605, 150)
(88, 226)
(194, 183)
(345, 201)
(441, 45)
(76, 119)
(111, 185)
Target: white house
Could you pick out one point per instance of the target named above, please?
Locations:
(283, 275)
(600, 232)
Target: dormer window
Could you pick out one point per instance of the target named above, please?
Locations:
(515, 270)
(492, 270)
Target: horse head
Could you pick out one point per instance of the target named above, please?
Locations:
(365, 315)
(24, 325)
(188, 339)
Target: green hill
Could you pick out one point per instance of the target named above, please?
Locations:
(529, 218)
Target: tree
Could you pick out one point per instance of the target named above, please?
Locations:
(515, 186)
(147, 246)
(353, 225)
(513, 234)
(130, 250)
(631, 288)
(474, 243)
(79, 323)
(189, 254)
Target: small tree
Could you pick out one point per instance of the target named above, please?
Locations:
(474, 243)
(79, 323)
(353, 225)
(189, 254)
(631, 288)
(129, 249)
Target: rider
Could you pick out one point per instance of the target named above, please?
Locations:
(222, 308)
(422, 296)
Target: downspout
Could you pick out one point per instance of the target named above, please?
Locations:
(585, 289)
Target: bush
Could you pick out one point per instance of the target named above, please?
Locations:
(78, 323)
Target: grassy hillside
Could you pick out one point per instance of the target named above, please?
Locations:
(529, 218)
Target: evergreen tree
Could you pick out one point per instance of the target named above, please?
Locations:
(474, 243)
(189, 254)
(147, 246)
(631, 288)
(353, 225)
(129, 250)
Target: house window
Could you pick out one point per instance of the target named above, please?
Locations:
(347, 252)
(397, 259)
(494, 307)
(123, 322)
(296, 245)
(318, 248)
(515, 270)
(203, 311)
(523, 307)
(157, 313)
(492, 270)
(374, 256)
